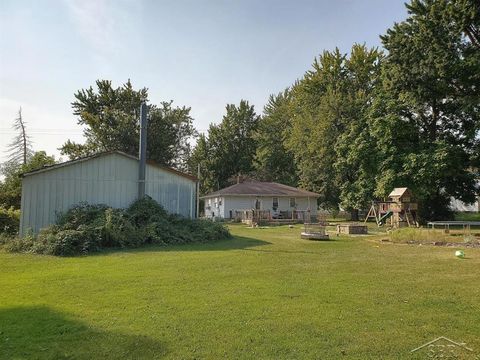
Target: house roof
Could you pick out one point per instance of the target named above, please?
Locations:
(398, 192)
(86, 158)
(258, 188)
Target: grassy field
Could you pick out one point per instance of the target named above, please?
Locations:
(265, 294)
(467, 216)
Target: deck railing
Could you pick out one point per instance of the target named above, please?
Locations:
(300, 216)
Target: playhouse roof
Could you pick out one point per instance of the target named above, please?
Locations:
(398, 192)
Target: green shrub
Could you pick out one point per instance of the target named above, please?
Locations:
(142, 212)
(25, 244)
(88, 228)
(9, 220)
(118, 230)
(5, 238)
(82, 214)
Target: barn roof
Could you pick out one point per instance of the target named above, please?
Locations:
(398, 191)
(258, 188)
(87, 158)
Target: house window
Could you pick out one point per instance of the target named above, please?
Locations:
(257, 204)
(220, 202)
(292, 202)
(275, 203)
(406, 199)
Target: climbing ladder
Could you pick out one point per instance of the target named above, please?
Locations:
(411, 221)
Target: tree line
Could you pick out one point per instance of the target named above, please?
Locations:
(357, 125)
(351, 128)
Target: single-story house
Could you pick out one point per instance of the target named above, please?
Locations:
(110, 178)
(256, 195)
(459, 206)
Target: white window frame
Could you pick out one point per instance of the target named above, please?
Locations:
(294, 202)
(273, 203)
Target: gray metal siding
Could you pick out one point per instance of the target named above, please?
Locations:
(175, 193)
(111, 179)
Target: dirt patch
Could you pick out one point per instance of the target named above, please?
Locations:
(471, 245)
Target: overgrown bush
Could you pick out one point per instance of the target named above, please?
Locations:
(417, 235)
(5, 238)
(9, 221)
(88, 228)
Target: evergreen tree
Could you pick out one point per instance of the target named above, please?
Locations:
(20, 149)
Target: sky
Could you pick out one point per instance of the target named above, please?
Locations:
(199, 53)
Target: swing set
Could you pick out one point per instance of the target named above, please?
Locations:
(399, 211)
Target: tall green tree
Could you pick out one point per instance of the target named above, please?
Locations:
(273, 162)
(427, 111)
(11, 186)
(228, 149)
(356, 161)
(110, 116)
(329, 137)
(465, 14)
(316, 123)
(201, 159)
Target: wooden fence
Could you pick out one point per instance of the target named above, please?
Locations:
(257, 216)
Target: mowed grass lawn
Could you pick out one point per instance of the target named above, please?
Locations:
(265, 294)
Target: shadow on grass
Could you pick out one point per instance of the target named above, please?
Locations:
(42, 333)
(292, 251)
(284, 251)
(234, 243)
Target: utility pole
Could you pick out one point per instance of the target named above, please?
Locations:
(198, 191)
(142, 151)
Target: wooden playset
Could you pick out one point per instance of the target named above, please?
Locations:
(400, 210)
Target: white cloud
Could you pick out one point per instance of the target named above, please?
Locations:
(95, 22)
(104, 24)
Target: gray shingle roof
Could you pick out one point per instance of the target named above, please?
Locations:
(258, 188)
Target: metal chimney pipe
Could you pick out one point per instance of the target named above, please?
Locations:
(142, 151)
(197, 215)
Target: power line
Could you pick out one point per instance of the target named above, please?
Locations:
(44, 131)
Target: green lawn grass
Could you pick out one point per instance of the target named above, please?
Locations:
(265, 294)
(470, 216)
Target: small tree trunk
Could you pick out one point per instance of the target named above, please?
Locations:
(24, 136)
